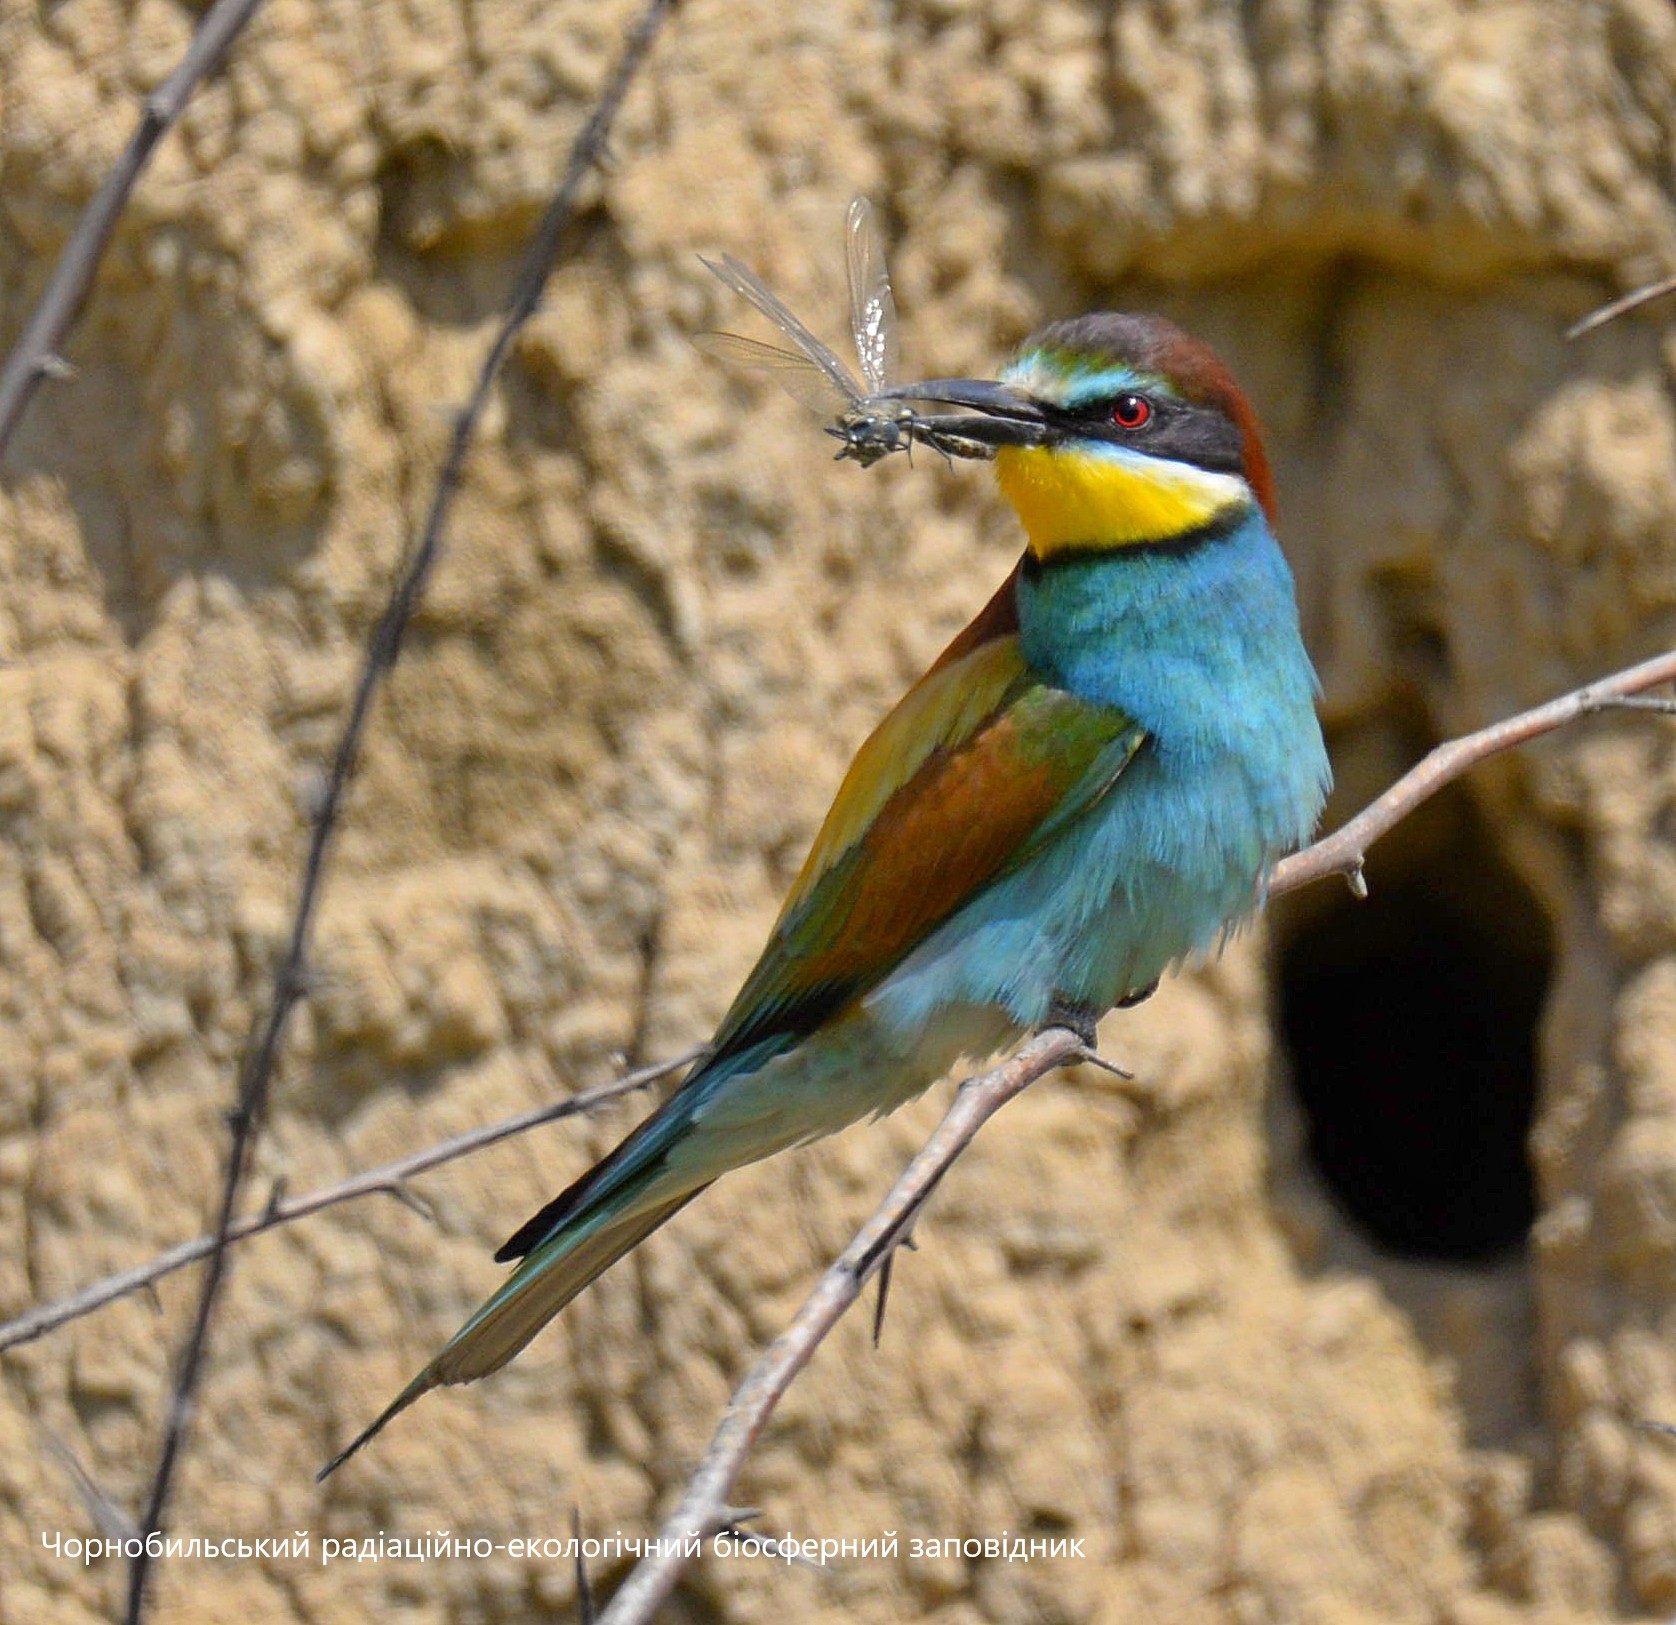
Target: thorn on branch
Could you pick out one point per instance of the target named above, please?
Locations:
(904, 1239)
(411, 1200)
(276, 1197)
(54, 367)
(1356, 879)
(1095, 1058)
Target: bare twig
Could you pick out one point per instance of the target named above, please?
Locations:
(1622, 307)
(382, 651)
(36, 354)
(703, 1506)
(387, 1180)
(1342, 852)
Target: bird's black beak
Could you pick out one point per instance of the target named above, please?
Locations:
(1007, 416)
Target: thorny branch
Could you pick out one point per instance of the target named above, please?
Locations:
(36, 355)
(263, 1053)
(388, 1180)
(703, 1508)
(1340, 853)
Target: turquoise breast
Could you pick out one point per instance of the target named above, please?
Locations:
(1201, 645)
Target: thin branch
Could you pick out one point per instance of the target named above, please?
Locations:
(36, 354)
(387, 1180)
(704, 1507)
(261, 1057)
(1342, 852)
(1622, 307)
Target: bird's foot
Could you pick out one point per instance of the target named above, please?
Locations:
(1075, 1017)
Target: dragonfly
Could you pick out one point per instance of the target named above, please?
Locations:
(872, 421)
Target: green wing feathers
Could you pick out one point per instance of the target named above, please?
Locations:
(980, 762)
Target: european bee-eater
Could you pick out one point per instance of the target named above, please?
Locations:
(1090, 784)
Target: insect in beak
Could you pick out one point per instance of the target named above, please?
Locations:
(1006, 416)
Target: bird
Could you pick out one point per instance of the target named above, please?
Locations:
(1088, 786)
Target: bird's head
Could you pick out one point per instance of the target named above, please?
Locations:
(1113, 431)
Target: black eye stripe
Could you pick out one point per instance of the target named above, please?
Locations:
(1178, 429)
(1101, 409)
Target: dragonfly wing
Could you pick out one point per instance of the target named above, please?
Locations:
(794, 373)
(748, 285)
(872, 306)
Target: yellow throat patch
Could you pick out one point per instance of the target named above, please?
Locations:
(1070, 499)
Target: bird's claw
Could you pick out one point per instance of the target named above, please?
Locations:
(1081, 1019)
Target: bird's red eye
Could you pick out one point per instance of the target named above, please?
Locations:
(1131, 411)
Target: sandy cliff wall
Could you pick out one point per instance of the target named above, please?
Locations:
(663, 622)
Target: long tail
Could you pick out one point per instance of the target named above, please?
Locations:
(578, 1236)
(538, 1290)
